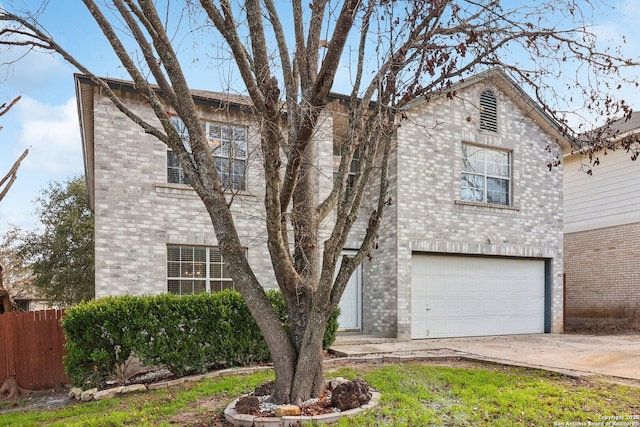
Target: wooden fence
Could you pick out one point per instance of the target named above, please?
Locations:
(31, 348)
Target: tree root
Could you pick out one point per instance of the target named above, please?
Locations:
(11, 390)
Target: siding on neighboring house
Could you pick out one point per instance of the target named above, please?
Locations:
(609, 197)
(602, 240)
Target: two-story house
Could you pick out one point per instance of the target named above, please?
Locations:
(470, 245)
(602, 232)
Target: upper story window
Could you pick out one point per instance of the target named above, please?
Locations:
(229, 146)
(196, 269)
(486, 175)
(355, 164)
(488, 111)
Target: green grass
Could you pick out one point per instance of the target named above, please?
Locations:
(412, 395)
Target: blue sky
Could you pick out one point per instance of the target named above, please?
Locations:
(45, 120)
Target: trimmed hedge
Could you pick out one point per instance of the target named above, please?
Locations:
(187, 334)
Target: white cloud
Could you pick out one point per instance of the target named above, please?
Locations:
(52, 135)
(32, 72)
(619, 23)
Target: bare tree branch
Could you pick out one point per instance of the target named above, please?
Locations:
(8, 180)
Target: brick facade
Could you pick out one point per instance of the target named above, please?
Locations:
(137, 214)
(427, 215)
(603, 279)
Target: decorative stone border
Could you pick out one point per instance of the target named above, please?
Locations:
(244, 420)
(95, 394)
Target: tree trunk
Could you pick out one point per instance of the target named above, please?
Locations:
(10, 388)
(5, 300)
(308, 379)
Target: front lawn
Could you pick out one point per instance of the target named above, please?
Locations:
(412, 394)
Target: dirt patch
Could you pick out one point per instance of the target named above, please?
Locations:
(611, 329)
(209, 414)
(44, 399)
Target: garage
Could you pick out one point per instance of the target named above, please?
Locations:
(463, 296)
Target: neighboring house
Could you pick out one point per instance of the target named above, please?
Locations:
(602, 234)
(31, 303)
(470, 245)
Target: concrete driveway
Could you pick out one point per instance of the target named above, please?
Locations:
(609, 355)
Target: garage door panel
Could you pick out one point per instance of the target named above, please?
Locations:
(475, 296)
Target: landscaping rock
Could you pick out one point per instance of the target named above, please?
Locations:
(336, 382)
(75, 393)
(287, 410)
(248, 405)
(265, 389)
(133, 388)
(351, 395)
(107, 394)
(87, 395)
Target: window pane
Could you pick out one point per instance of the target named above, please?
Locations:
(200, 254)
(472, 159)
(172, 159)
(472, 188)
(497, 163)
(215, 255)
(186, 253)
(239, 134)
(216, 271)
(237, 174)
(214, 132)
(182, 131)
(173, 253)
(186, 287)
(498, 191)
(173, 269)
(186, 270)
(220, 285)
(199, 269)
(175, 174)
(174, 286)
(199, 286)
(226, 133)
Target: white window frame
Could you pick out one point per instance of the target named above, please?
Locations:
(478, 174)
(228, 144)
(190, 269)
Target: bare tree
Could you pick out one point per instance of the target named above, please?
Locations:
(288, 56)
(6, 182)
(9, 387)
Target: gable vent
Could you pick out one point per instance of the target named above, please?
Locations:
(488, 111)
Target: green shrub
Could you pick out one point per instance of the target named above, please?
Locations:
(187, 334)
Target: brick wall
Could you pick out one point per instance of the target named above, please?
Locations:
(602, 276)
(427, 215)
(137, 213)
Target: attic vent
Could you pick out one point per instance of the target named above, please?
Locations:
(488, 111)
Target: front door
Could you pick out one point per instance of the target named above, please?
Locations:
(351, 303)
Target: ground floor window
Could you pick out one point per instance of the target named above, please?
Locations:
(195, 269)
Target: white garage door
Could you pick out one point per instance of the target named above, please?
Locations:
(454, 296)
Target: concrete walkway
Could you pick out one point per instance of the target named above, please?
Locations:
(610, 355)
